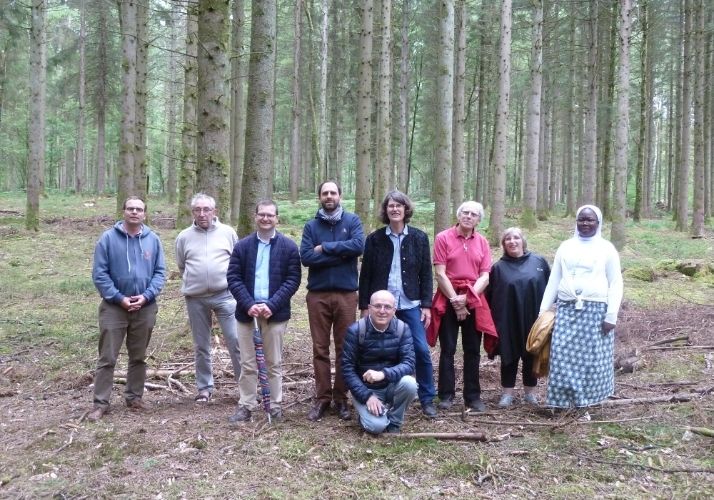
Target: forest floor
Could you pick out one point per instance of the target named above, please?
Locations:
(639, 444)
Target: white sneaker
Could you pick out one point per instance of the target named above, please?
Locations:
(506, 401)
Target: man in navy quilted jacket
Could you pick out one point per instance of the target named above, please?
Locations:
(378, 366)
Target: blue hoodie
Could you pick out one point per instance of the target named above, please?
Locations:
(128, 265)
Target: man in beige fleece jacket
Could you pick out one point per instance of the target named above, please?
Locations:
(202, 254)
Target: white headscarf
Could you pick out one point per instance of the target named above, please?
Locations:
(598, 214)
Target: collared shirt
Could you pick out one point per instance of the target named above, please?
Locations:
(394, 282)
(464, 258)
(261, 290)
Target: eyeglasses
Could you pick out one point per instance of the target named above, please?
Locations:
(265, 216)
(202, 210)
(134, 209)
(382, 307)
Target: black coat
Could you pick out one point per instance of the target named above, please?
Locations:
(514, 292)
(417, 279)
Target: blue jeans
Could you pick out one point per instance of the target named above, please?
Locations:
(422, 354)
(199, 315)
(396, 397)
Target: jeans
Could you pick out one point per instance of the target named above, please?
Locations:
(396, 397)
(422, 354)
(471, 343)
(199, 315)
(329, 312)
(115, 323)
(272, 334)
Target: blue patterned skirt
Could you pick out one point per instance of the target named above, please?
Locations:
(581, 357)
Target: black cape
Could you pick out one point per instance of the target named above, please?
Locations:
(515, 291)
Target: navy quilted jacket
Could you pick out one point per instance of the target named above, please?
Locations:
(284, 275)
(381, 351)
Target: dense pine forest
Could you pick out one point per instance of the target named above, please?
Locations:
(535, 105)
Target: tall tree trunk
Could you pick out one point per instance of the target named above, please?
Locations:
(569, 146)
(258, 168)
(36, 131)
(444, 106)
(171, 181)
(697, 230)
(458, 166)
(530, 191)
(683, 170)
(589, 179)
(605, 174)
(189, 132)
(238, 118)
(498, 209)
(619, 211)
(127, 162)
(79, 168)
(364, 113)
(295, 151)
(403, 134)
(141, 172)
(101, 99)
(322, 123)
(213, 166)
(384, 106)
(640, 197)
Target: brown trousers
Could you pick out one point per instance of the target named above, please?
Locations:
(329, 312)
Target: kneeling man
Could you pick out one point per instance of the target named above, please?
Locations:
(378, 366)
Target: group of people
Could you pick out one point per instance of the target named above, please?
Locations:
(384, 358)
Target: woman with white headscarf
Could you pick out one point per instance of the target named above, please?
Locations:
(586, 286)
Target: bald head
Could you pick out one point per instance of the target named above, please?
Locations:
(381, 309)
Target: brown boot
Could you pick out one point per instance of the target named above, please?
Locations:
(97, 413)
(137, 404)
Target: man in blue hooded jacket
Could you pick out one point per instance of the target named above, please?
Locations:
(129, 272)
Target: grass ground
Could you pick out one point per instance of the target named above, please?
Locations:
(48, 338)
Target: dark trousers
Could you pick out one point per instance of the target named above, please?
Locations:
(329, 312)
(471, 344)
(509, 372)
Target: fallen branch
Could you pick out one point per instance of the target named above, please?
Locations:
(673, 398)
(680, 347)
(150, 373)
(669, 340)
(641, 466)
(559, 424)
(446, 436)
(171, 381)
(702, 431)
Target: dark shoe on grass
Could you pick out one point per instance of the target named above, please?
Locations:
(242, 414)
(97, 413)
(429, 410)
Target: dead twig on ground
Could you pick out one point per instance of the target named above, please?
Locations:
(445, 436)
(674, 398)
(560, 424)
(680, 347)
(642, 466)
(171, 381)
(702, 431)
(68, 443)
(669, 340)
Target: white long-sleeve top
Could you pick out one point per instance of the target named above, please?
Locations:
(589, 270)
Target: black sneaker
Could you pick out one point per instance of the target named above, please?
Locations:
(446, 403)
(429, 410)
(242, 414)
(476, 405)
(393, 429)
(276, 414)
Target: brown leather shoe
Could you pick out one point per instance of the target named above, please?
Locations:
(97, 413)
(318, 410)
(343, 410)
(137, 404)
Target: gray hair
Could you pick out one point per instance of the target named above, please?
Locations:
(479, 209)
(202, 196)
